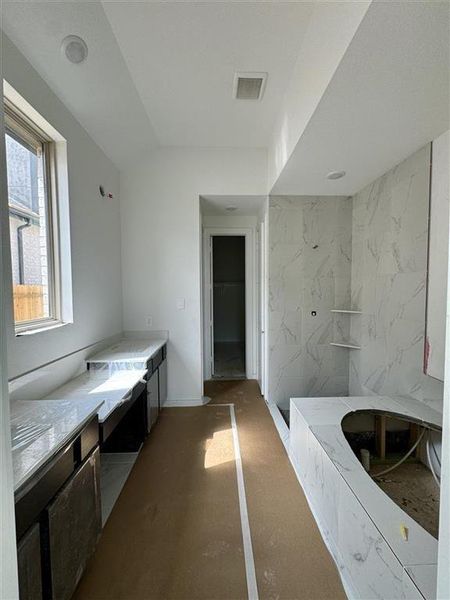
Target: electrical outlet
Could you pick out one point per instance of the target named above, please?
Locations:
(149, 321)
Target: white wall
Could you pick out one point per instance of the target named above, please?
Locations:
(8, 561)
(161, 249)
(95, 232)
(309, 271)
(332, 27)
(389, 274)
(438, 257)
(443, 582)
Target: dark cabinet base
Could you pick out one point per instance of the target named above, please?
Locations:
(74, 525)
(29, 565)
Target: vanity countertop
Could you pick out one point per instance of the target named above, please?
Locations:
(133, 352)
(107, 385)
(40, 428)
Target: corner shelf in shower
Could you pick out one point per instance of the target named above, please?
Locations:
(346, 344)
(350, 345)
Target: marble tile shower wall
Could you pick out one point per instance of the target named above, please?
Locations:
(389, 270)
(309, 270)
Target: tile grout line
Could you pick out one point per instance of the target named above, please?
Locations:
(252, 586)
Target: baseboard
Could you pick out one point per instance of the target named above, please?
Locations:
(185, 402)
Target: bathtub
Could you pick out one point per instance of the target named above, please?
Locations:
(362, 526)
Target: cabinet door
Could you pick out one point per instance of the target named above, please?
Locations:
(162, 383)
(29, 565)
(152, 400)
(74, 521)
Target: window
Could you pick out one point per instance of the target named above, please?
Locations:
(33, 222)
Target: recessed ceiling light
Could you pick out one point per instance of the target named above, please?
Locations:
(231, 208)
(335, 174)
(74, 49)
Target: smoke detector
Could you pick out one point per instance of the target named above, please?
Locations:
(249, 86)
(74, 49)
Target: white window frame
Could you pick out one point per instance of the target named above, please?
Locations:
(26, 131)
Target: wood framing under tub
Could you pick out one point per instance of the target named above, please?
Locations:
(363, 527)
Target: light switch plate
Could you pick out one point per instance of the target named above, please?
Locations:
(181, 304)
(149, 321)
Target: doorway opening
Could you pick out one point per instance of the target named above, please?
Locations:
(228, 300)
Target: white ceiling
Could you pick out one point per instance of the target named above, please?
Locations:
(388, 97)
(161, 73)
(183, 57)
(99, 93)
(246, 206)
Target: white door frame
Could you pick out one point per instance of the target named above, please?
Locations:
(251, 300)
(263, 305)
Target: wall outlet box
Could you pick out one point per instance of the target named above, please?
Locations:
(148, 321)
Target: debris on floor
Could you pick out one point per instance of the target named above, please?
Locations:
(412, 487)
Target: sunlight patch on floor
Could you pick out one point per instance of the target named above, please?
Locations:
(219, 449)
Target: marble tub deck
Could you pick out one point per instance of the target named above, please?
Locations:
(322, 417)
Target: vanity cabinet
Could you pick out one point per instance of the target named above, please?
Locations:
(58, 519)
(152, 400)
(29, 565)
(74, 526)
(162, 369)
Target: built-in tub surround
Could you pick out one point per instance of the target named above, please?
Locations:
(309, 272)
(389, 273)
(362, 525)
(403, 457)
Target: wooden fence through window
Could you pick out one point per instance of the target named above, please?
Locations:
(28, 302)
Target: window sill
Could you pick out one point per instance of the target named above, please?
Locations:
(48, 327)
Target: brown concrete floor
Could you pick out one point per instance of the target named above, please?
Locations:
(175, 531)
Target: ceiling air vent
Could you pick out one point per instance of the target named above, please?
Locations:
(249, 86)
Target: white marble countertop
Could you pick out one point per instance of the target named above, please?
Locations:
(40, 428)
(127, 350)
(323, 417)
(109, 386)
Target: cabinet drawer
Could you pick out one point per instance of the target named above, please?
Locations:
(89, 438)
(157, 359)
(162, 383)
